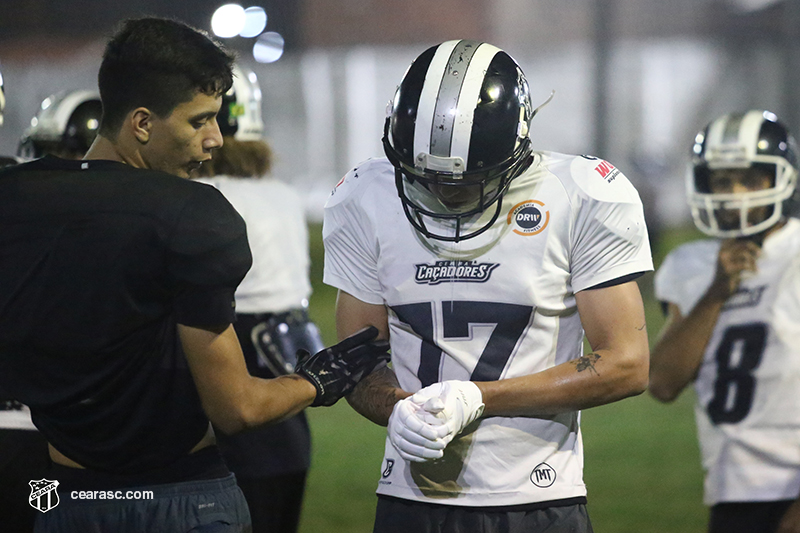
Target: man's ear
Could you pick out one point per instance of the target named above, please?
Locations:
(141, 122)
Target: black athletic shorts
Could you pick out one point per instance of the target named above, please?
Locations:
(395, 515)
(747, 517)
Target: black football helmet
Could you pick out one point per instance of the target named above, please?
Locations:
(457, 134)
(755, 139)
(65, 126)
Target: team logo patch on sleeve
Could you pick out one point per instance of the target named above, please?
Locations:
(465, 271)
(528, 217)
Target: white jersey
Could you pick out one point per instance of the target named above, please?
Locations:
(278, 238)
(16, 418)
(496, 306)
(748, 385)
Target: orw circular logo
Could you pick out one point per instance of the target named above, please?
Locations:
(528, 217)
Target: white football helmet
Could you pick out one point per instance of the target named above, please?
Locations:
(741, 141)
(240, 114)
(66, 125)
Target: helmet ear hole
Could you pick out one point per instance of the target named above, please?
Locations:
(459, 120)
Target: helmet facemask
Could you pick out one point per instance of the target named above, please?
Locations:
(451, 198)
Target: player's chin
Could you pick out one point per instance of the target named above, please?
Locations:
(190, 170)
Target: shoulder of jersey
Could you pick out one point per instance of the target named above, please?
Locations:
(589, 176)
(354, 184)
(690, 256)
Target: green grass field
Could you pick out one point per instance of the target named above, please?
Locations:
(642, 459)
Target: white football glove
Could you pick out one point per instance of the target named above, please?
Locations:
(456, 404)
(416, 434)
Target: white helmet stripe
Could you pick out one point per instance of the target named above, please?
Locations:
(734, 139)
(452, 88)
(447, 100)
(750, 130)
(428, 97)
(468, 100)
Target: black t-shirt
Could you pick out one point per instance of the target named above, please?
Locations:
(98, 263)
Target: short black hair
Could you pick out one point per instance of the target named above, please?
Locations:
(158, 63)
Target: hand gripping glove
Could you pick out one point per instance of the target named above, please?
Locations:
(335, 371)
(456, 403)
(416, 434)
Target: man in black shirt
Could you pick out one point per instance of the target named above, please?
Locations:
(117, 301)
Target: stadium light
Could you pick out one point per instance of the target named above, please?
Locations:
(268, 47)
(228, 20)
(254, 23)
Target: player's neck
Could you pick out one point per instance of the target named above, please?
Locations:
(104, 148)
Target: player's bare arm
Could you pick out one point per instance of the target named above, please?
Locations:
(676, 356)
(790, 523)
(231, 397)
(374, 397)
(615, 369)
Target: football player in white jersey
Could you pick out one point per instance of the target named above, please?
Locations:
(484, 262)
(733, 306)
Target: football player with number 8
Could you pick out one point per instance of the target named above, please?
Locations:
(733, 319)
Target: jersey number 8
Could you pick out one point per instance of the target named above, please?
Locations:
(735, 385)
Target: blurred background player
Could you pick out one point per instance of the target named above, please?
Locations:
(272, 322)
(65, 126)
(733, 322)
(23, 451)
(5, 160)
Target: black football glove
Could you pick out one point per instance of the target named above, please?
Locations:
(335, 371)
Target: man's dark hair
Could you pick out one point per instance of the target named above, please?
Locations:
(158, 64)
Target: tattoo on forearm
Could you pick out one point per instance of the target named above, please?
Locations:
(374, 397)
(587, 362)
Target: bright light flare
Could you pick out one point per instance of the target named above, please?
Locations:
(268, 47)
(228, 20)
(254, 23)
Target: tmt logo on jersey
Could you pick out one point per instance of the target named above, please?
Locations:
(607, 171)
(466, 271)
(528, 217)
(543, 475)
(43, 494)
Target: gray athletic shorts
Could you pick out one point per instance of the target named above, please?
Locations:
(207, 506)
(394, 515)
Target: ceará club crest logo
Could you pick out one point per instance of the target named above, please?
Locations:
(528, 218)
